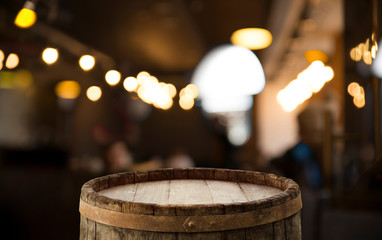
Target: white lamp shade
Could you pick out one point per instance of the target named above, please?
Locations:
(228, 72)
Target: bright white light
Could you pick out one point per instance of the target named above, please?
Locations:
(12, 61)
(130, 84)
(87, 62)
(94, 93)
(228, 71)
(113, 77)
(50, 55)
(309, 81)
(228, 104)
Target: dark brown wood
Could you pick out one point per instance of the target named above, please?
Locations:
(271, 216)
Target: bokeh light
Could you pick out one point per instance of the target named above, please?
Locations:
(112, 77)
(87, 62)
(12, 61)
(68, 89)
(94, 93)
(353, 89)
(252, 38)
(171, 90)
(130, 84)
(186, 102)
(359, 101)
(365, 51)
(316, 55)
(309, 81)
(2, 56)
(228, 72)
(26, 17)
(50, 55)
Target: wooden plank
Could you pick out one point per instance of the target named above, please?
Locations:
(279, 230)
(238, 234)
(122, 192)
(91, 233)
(225, 192)
(262, 232)
(152, 192)
(293, 227)
(83, 227)
(255, 192)
(105, 232)
(189, 192)
(200, 236)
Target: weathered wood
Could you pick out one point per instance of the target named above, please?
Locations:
(201, 203)
(263, 232)
(187, 192)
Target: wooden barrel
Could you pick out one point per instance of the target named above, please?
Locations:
(190, 203)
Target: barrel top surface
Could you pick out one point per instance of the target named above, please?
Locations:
(188, 187)
(189, 192)
(189, 199)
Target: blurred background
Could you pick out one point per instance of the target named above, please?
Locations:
(170, 83)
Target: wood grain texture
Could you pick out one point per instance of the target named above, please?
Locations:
(190, 191)
(191, 194)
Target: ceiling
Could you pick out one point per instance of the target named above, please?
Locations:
(171, 36)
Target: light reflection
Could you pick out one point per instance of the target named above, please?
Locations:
(12, 61)
(94, 93)
(113, 77)
(50, 55)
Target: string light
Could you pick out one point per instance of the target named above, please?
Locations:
(113, 77)
(68, 89)
(50, 55)
(94, 93)
(365, 51)
(12, 61)
(27, 16)
(309, 81)
(252, 38)
(87, 62)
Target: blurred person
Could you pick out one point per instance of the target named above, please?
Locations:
(118, 157)
(301, 162)
(179, 159)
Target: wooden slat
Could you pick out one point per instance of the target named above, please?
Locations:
(191, 192)
(152, 192)
(254, 192)
(123, 192)
(225, 192)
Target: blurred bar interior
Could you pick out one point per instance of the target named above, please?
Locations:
(89, 88)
